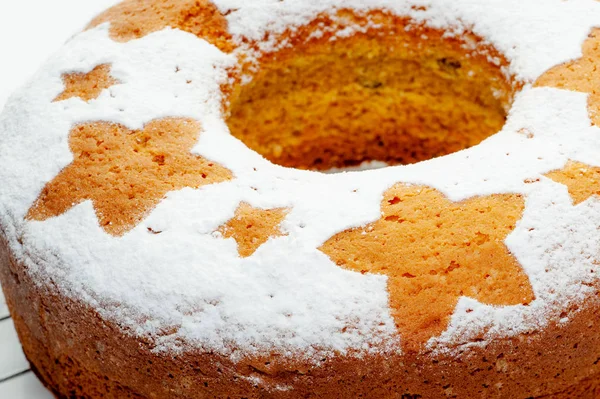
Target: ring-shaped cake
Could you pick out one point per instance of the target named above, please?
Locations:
(167, 231)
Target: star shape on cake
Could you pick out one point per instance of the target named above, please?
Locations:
(126, 173)
(133, 19)
(580, 75)
(582, 181)
(252, 227)
(87, 86)
(433, 252)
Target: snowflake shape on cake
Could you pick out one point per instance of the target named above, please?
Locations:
(582, 181)
(87, 86)
(580, 75)
(434, 251)
(126, 173)
(252, 227)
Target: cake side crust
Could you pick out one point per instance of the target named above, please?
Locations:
(77, 352)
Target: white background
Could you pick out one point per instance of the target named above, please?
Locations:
(30, 31)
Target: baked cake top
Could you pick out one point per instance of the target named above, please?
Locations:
(122, 186)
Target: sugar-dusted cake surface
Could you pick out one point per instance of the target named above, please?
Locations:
(166, 230)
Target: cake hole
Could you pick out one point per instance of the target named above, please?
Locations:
(393, 94)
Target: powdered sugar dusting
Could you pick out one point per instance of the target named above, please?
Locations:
(531, 34)
(189, 288)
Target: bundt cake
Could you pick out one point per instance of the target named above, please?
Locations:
(310, 199)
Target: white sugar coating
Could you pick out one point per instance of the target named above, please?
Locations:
(188, 288)
(530, 33)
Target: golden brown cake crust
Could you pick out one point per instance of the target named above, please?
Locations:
(126, 173)
(87, 86)
(448, 250)
(133, 19)
(78, 354)
(579, 75)
(252, 227)
(582, 181)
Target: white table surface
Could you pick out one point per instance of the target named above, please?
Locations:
(16, 380)
(25, 43)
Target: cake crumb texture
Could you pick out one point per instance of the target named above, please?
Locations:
(252, 227)
(133, 19)
(126, 173)
(582, 181)
(435, 251)
(87, 86)
(392, 91)
(580, 75)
